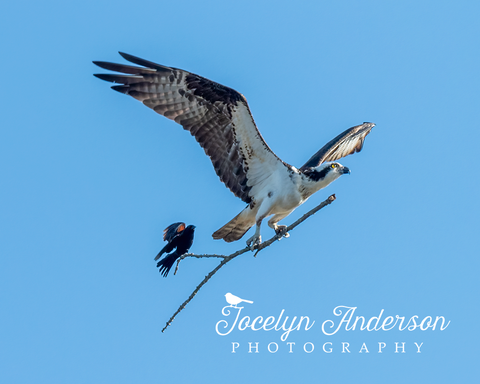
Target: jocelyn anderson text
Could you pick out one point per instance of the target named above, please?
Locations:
(345, 319)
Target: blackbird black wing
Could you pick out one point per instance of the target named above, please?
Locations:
(172, 231)
(169, 234)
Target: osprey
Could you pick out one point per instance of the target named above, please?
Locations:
(220, 120)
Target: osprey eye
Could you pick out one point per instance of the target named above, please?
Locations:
(334, 165)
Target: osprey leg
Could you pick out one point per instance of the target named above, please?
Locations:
(279, 229)
(256, 239)
(263, 212)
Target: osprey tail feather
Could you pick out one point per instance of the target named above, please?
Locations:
(237, 227)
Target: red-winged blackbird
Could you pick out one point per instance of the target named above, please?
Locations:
(178, 236)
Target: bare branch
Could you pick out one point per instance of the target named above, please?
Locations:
(228, 258)
(197, 256)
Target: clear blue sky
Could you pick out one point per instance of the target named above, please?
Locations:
(91, 177)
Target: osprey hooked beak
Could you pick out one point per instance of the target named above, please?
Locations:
(344, 170)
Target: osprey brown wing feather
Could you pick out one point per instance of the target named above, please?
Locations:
(201, 106)
(346, 143)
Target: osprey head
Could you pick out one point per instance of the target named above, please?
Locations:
(326, 172)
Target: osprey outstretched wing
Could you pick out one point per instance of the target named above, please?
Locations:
(217, 116)
(346, 143)
(220, 120)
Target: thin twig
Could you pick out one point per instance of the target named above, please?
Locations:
(197, 256)
(228, 258)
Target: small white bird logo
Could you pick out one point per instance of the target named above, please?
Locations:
(234, 300)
